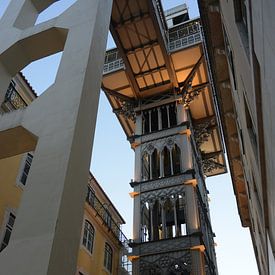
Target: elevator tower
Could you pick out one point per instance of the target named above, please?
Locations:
(158, 83)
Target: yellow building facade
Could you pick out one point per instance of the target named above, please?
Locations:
(101, 241)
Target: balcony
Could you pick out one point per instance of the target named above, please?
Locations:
(184, 35)
(13, 99)
(106, 217)
(113, 62)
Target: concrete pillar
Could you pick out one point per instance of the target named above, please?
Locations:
(192, 215)
(47, 230)
(198, 265)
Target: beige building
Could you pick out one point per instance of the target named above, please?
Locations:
(240, 39)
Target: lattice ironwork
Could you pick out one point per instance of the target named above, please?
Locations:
(13, 97)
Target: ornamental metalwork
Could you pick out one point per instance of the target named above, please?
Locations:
(104, 214)
(13, 97)
(203, 131)
(127, 109)
(211, 164)
(172, 263)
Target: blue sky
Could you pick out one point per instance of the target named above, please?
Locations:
(113, 164)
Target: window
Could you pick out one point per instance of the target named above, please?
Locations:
(240, 7)
(88, 236)
(180, 19)
(250, 128)
(90, 196)
(159, 118)
(241, 12)
(8, 231)
(230, 57)
(107, 217)
(26, 169)
(155, 164)
(145, 166)
(166, 162)
(108, 257)
(176, 159)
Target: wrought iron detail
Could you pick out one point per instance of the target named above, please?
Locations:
(13, 97)
(211, 164)
(165, 193)
(202, 131)
(172, 263)
(164, 182)
(189, 94)
(127, 110)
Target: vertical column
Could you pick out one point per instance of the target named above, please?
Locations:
(171, 161)
(150, 121)
(192, 215)
(138, 162)
(181, 114)
(161, 165)
(136, 215)
(159, 119)
(174, 202)
(163, 219)
(168, 115)
(151, 207)
(138, 124)
(197, 255)
(186, 151)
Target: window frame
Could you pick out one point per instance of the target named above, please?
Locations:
(108, 257)
(21, 170)
(5, 226)
(86, 234)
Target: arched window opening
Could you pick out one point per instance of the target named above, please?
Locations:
(173, 115)
(155, 164)
(176, 156)
(169, 217)
(154, 120)
(145, 223)
(88, 236)
(166, 162)
(145, 166)
(90, 198)
(108, 257)
(145, 122)
(164, 117)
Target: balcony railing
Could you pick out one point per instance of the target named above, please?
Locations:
(113, 227)
(113, 62)
(13, 98)
(105, 215)
(184, 36)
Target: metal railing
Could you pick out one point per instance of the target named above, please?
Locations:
(105, 215)
(113, 62)
(13, 97)
(185, 35)
(113, 227)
